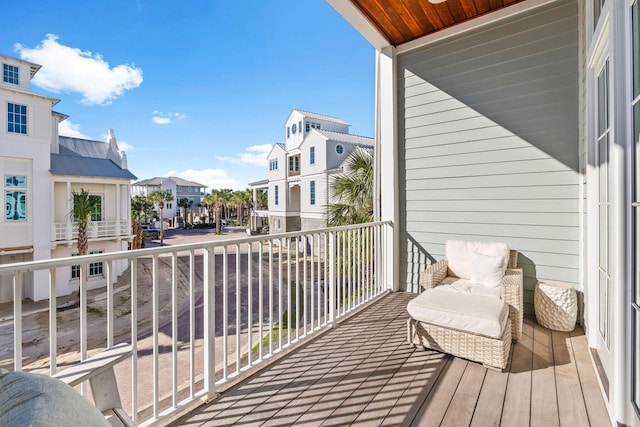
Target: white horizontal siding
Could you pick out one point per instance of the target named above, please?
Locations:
(489, 145)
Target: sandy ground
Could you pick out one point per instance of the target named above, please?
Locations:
(190, 359)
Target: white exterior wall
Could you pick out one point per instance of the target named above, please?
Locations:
(297, 118)
(319, 142)
(65, 285)
(307, 210)
(48, 197)
(281, 207)
(26, 155)
(294, 205)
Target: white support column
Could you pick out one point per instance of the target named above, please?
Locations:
(69, 227)
(386, 146)
(118, 211)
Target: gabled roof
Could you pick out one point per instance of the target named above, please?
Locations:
(345, 137)
(84, 157)
(156, 181)
(33, 68)
(279, 145)
(320, 117)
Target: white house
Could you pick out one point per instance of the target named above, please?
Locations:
(178, 187)
(40, 170)
(300, 169)
(519, 122)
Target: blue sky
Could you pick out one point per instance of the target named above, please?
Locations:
(197, 89)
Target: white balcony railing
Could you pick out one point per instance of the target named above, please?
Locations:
(98, 229)
(199, 315)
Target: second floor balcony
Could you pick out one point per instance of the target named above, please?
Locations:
(287, 329)
(68, 231)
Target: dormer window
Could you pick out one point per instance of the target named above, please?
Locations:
(10, 74)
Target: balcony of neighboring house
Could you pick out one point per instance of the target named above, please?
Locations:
(68, 231)
(109, 218)
(294, 165)
(296, 328)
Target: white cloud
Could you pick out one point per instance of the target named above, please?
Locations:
(255, 155)
(68, 128)
(68, 69)
(160, 118)
(211, 178)
(123, 146)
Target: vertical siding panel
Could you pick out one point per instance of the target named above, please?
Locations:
(489, 143)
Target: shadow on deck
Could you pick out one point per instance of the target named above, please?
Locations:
(365, 373)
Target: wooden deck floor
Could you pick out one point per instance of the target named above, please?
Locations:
(364, 373)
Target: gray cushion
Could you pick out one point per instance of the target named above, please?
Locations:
(28, 399)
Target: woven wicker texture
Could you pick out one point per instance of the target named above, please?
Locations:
(481, 349)
(556, 305)
(488, 351)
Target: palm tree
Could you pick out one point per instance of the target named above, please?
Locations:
(236, 201)
(263, 200)
(216, 198)
(225, 198)
(160, 197)
(352, 191)
(247, 202)
(140, 208)
(184, 204)
(84, 206)
(208, 202)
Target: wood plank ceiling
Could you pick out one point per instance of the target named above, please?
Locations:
(401, 21)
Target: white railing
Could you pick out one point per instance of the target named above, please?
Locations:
(199, 315)
(98, 229)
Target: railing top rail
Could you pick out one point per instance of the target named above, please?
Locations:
(29, 266)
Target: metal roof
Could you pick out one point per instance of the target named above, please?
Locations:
(321, 117)
(82, 166)
(83, 157)
(157, 181)
(345, 137)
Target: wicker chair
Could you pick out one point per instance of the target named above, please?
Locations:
(491, 352)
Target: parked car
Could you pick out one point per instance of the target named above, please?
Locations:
(149, 232)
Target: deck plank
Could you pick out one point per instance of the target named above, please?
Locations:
(596, 407)
(464, 402)
(435, 408)
(403, 410)
(543, 384)
(571, 406)
(517, 401)
(491, 401)
(364, 373)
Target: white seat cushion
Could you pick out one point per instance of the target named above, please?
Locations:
(454, 284)
(476, 314)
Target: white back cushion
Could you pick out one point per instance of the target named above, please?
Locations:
(459, 254)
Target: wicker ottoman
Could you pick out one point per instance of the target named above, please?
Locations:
(556, 305)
